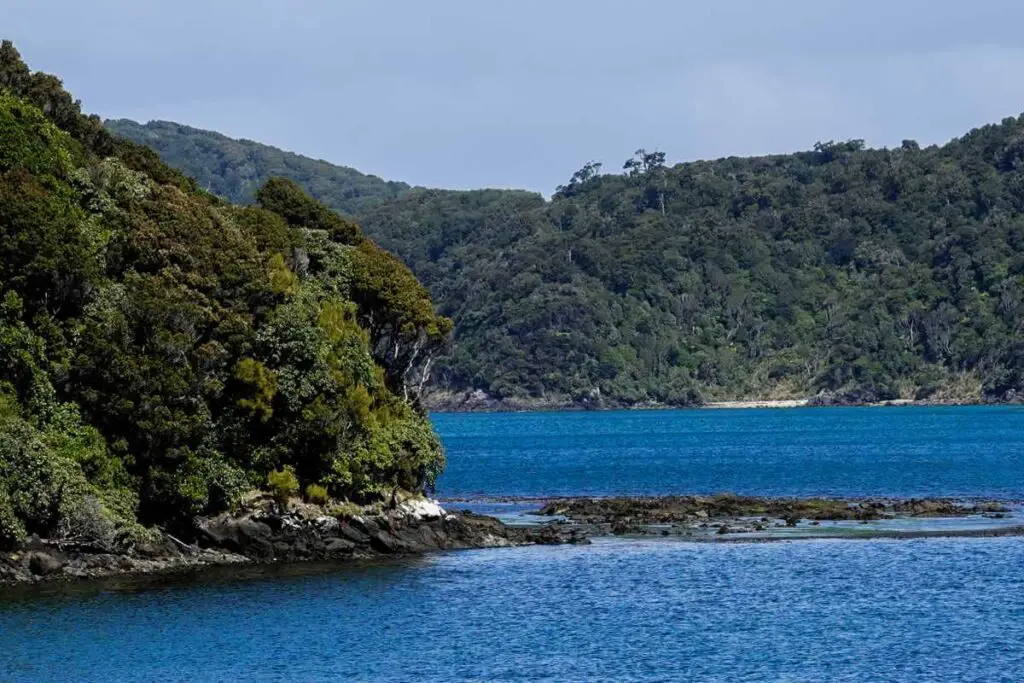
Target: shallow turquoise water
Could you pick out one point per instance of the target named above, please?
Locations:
(617, 610)
(907, 451)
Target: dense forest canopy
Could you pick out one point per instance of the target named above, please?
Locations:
(867, 273)
(236, 169)
(163, 351)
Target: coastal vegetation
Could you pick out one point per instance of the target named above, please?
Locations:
(844, 272)
(163, 351)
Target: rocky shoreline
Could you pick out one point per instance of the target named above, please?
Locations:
(265, 536)
(480, 402)
(261, 535)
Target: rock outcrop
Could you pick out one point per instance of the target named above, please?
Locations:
(681, 515)
(263, 535)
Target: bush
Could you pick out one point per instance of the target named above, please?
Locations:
(346, 510)
(316, 494)
(42, 488)
(12, 531)
(283, 484)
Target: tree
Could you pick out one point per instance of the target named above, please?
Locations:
(588, 172)
(650, 167)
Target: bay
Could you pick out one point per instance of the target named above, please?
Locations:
(906, 451)
(930, 609)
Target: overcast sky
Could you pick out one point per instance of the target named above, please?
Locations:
(475, 93)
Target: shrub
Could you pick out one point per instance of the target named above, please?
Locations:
(283, 484)
(316, 494)
(42, 487)
(289, 201)
(12, 531)
(346, 510)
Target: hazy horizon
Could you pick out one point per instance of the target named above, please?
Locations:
(463, 95)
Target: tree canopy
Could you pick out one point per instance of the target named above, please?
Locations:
(868, 273)
(164, 351)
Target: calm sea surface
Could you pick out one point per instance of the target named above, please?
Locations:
(906, 451)
(617, 610)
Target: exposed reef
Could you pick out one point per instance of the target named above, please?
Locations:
(731, 514)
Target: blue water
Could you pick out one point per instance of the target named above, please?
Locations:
(907, 451)
(935, 609)
(922, 610)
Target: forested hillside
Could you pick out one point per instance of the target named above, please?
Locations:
(163, 351)
(235, 169)
(865, 274)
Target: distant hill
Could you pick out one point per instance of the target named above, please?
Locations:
(235, 169)
(863, 274)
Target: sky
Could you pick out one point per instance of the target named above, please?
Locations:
(494, 93)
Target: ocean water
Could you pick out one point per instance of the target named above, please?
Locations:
(935, 609)
(905, 451)
(661, 610)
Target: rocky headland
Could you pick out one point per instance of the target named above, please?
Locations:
(261, 534)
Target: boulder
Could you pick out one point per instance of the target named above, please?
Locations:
(339, 546)
(327, 526)
(42, 563)
(244, 535)
(418, 509)
(351, 533)
(384, 542)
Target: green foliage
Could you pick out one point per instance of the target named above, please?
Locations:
(283, 484)
(397, 311)
(282, 279)
(316, 494)
(286, 199)
(874, 272)
(30, 141)
(44, 488)
(264, 384)
(12, 528)
(161, 352)
(236, 169)
(344, 510)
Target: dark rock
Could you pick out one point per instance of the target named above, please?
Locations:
(43, 563)
(244, 536)
(349, 532)
(551, 534)
(990, 506)
(365, 525)
(384, 542)
(620, 527)
(328, 527)
(421, 537)
(856, 397)
(339, 546)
